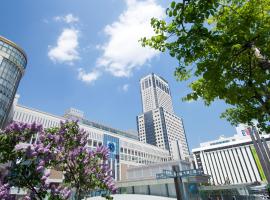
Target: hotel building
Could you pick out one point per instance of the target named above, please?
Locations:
(158, 125)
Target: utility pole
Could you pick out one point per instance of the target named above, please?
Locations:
(177, 181)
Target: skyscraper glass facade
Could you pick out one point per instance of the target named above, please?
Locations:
(12, 66)
(158, 125)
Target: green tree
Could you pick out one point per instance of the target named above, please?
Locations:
(225, 46)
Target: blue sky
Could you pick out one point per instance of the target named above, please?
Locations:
(84, 54)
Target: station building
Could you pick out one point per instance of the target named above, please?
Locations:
(128, 151)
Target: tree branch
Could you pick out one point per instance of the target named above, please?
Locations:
(31, 187)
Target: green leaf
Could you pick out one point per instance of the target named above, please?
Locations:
(173, 4)
(174, 12)
(224, 52)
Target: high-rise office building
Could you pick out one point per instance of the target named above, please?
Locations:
(13, 62)
(155, 93)
(158, 125)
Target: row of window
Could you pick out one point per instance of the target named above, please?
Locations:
(236, 165)
(14, 55)
(9, 77)
(9, 71)
(24, 117)
(4, 102)
(132, 154)
(148, 83)
(94, 135)
(140, 160)
(139, 154)
(94, 143)
(162, 86)
(2, 115)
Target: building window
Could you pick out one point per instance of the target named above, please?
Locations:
(89, 142)
(146, 84)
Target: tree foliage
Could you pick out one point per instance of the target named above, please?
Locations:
(28, 152)
(84, 169)
(226, 45)
(24, 159)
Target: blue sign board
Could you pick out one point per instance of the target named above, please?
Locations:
(112, 143)
(171, 174)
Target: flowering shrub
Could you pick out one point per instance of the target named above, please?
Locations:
(29, 151)
(4, 191)
(84, 169)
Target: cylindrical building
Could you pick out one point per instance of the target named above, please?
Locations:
(13, 62)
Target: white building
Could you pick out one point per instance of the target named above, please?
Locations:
(155, 93)
(158, 125)
(231, 160)
(150, 171)
(128, 150)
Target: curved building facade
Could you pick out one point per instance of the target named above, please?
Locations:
(13, 62)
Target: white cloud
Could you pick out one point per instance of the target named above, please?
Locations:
(122, 53)
(88, 77)
(69, 19)
(125, 87)
(66, 49)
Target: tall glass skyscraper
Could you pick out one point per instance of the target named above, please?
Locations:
(155, 93)
(158, 125)
(13, 62)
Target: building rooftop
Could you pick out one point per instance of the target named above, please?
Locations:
(153, 74)
(160, 77)
(5, 40)
(109, 129)
(233, 141)
(89, 123)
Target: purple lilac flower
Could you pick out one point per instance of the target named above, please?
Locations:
(41, 163)
(39, 168)
(4, 191)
